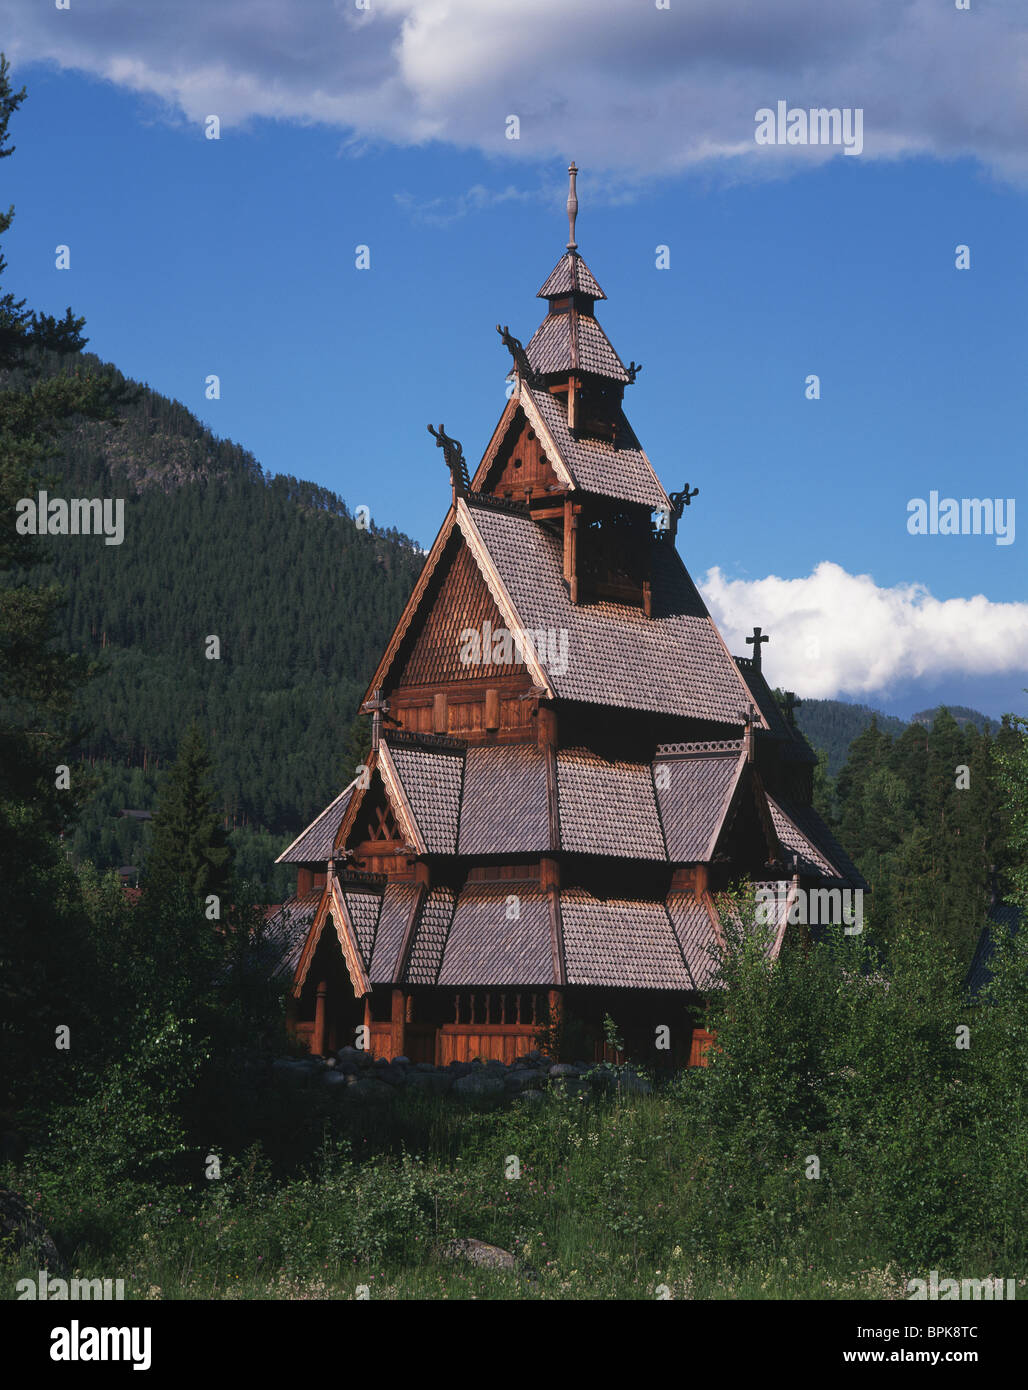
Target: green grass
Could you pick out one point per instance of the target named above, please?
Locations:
(616, 1199)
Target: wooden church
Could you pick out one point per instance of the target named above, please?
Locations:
(567, 764)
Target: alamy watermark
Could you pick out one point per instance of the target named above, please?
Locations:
(499, 646)
(963, 516)
(79, 516)
(816, 125)
(813, 907)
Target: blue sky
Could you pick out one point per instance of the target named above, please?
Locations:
(191, 256)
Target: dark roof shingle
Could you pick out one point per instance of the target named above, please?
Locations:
(607, 807)
(618, 470)
(504, 808)
(488, 947)
(314, 845)
(674, 662)
(620, 941)
(570, 274)
(693, 793)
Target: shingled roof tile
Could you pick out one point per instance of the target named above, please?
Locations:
(570, 274)
(620, 941)
(697, 937)
(574, 343)
(397, 904)
(800, 828)
(314, 845)
(693, 793)
(488, 947)
(363, 908)
(432, 784)
(673, 662)
(285, 932)
(607, 807)
(430, 932)
(620, 470)
(504, 807)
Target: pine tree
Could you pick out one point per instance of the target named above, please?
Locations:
(189, 849)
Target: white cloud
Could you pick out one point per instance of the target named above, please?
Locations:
(836, 633)
(618, 84)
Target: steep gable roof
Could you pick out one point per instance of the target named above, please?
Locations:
(673, 662)
(608, 468)
(314, 845)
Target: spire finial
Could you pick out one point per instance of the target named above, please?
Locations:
(572, 205)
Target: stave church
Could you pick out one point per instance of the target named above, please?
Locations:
(568, 766)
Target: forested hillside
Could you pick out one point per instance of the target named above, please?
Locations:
(300, 598)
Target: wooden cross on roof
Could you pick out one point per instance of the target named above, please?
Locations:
(790, 704)
(756, 641)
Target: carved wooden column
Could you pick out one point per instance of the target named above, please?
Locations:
(318, 1039)
(398, 1019)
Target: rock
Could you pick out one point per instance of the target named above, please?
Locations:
(562, 1069)
(635, 1085)
(349, 1054)
(401, 1061)
(335, 1078)
(370, 1088)
(393, 1075)
(425, 1066)
(478, 1084)
(348, 1068)
(433, 1083)
(521, 1079)
(24, 1230)
(477, 1252)
(533, 1097)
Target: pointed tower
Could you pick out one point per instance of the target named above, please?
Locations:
(567, 764)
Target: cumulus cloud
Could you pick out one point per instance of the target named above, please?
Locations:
(618, 84)
(834, 633)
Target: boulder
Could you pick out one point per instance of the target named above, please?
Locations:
(477, 1252)
(433, 1083)
(562, 1069)
(478, 1084)
(369, 1088)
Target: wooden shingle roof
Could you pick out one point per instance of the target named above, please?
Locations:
(673, 662)
(600, 466)
(801, 829)
(574, 343)
(397, 904)
(570, 275)
(487, 946)
(607, 807)
(285, 932)
(314, 845)
(626, 942)
(504, 807)
(694, 794)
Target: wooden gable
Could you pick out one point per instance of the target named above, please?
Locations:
(463, 602)
(520, 466)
